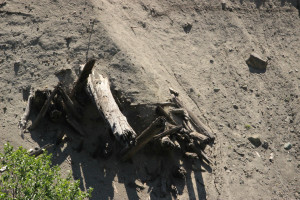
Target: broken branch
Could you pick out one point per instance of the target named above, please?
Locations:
(146, 136)
(44, 109)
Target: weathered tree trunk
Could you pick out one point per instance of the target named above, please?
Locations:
(99, 89)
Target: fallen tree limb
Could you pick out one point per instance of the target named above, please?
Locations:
(199, 152)
(200, 127)
(44, 109)
(198, 136)
(168, 132)
(98, 89)
(161, 111)
(146, 136)
(70, 107)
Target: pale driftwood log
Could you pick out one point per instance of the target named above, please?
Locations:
(24, 119)
(146, 136)
(99, 89)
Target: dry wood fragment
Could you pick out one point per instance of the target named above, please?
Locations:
(199, 152)
(168, 132)
(98, 89)
(200, 127)
(70, 107)
(146, 136)
(174, 92)
(198, 136)
(82, 80)
(191, 155)
(167, 143)
(41, 150)
(161, 111)
(24, 119)
(44, 109)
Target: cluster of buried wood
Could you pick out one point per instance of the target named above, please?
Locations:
(176, 127)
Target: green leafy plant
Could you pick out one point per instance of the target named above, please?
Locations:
(27, 177)
(247, 126)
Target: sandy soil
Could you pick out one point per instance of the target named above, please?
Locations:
(145, 47)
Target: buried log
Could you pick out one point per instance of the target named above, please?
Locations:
(98, 89)
(146, 136)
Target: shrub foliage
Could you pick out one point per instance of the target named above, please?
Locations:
(28, 177)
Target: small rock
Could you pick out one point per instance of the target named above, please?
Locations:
(256, 62)
(265, 144)
(216, 89)
(287, 146)
(235, 106)
(187, 27)
(211, 61)
(271, 158)
(244, 87)
(255, 140)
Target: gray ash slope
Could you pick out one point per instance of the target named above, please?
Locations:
(145, 48)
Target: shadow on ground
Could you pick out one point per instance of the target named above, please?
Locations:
(91, 162)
